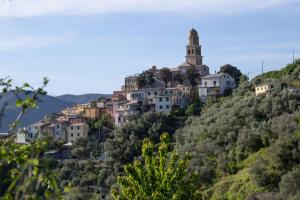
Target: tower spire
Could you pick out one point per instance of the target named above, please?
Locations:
(193, 48)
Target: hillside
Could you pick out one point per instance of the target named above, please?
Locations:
(248, 146)
(47, 106)
(84, 98)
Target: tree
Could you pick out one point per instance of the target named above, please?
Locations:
(160, 176)
(179, 77)
(233, 71)
(193, 76)
(145, 79)
(24, 172)
(166, 75)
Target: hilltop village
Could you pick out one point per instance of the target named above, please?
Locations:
(154, 90)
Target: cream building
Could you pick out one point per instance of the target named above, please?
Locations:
(76, 131)
(266, 87)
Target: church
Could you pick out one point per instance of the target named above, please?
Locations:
(193, 58)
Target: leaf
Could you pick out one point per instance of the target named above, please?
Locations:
(19, 103)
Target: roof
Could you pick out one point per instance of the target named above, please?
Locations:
(37, 124)
(69, 144)
(3, 134)
(193, 32)
(214, 75)
(174, 69)
(186, 64)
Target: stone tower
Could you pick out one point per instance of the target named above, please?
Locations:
(193, 49)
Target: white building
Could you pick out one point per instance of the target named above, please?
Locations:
(34, 131)
(21, 137)
(59, 130)
(126, 109)
(215, 85)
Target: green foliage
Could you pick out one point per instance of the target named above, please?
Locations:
(104, 120)
(194, 109)
(243, 145)
(159, 176)
(110, 156)
(27, 96)
(166, 75)
(193, 76)
(233, 71)
(290, 184)
(179, 77)
(145, 79)
(24, 173)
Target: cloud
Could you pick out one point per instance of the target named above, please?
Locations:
(21, 8)
(12, 43)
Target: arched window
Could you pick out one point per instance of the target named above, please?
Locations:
(189, 52)
(192, 51)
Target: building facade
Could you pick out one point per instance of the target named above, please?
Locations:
(76, 131)
(267, 87)
(215, 85)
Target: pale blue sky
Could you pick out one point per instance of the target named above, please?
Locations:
(90, 46)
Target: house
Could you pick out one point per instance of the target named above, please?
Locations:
(126, 109)
(77, 130)
(57, 130)
(162, 103)
(131, 83)
(118, 96)
(272, 85)
(91, 113)
(215, 85)
(21, 137)
(69, 111)
(34, 131)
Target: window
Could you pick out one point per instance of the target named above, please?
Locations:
(215, 82)
(78, 127)
(78, 134)
(189, 52)
(160, 107)
(57, 126)
(155, 93)
(272, 86)
(166, 92)
(167, 106)
(71, 127)
(179, 94)
(205, 83)
(160, 99)
(149, 93)
(171, 92)
(167, 99)
(71, 134)
(192, 51)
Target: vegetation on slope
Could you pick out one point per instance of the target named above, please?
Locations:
(246, 145)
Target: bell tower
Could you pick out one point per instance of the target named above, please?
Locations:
(193, 49)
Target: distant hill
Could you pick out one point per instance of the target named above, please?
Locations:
(84, 98)
(48, 105)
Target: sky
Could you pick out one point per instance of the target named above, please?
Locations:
(90, 46)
